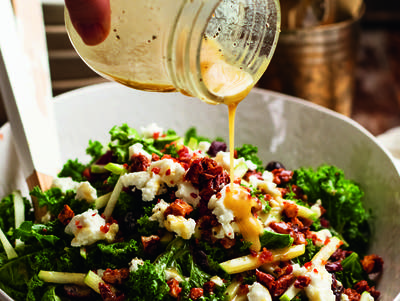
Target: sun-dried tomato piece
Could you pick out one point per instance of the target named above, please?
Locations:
(116, 276)
(66, 215)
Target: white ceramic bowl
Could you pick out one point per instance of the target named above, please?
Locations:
(284, 128)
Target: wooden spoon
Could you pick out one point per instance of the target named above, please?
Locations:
(26, 88)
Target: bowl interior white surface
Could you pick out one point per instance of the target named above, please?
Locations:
(284, 128)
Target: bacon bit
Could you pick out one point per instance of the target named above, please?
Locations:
(150, 243)
(66, 215)
(282, 176)
(86, 173)
(116, 276)
(139, 162)
(372, 264)
(196, 293)
(282, 284)
(243, 289)
(209, 287)
(107, 294)
(178, 208)
(286, 270)
(227, 243)
(280, 227)
(265, 279)
(290, 210)
(156, 170)
(174, 288)
(352, 294)
(265, 256)
(105, 228)
(302, 281)
(168, 172)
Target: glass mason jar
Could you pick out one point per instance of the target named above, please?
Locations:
(215, 50)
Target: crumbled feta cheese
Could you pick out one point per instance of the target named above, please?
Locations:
(218, 232)
(320, 287)
(251, 165)
(150, 130)
(181, 226)
(85, 191)
(224, 215)
(344, 297)
(217, 280)
(187, 192)
(134, 264)
(65, 184)
(86, 228)
(149, 184)
(223, 159)
(171, 172)
(266, 186)
(204, 146)
(158, 212)
(172, 273)
(258, 292)
(137, 149)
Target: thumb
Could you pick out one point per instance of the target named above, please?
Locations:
(91, 19)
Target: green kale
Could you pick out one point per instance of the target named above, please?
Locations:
(55, 200)
(352, 272)
(308, 255)
(95, 150)
(50, 294)
(192, 133)
(115, 255)
(342, 199)
(73, 169)
(147, 283)
(249, 152)
(31, 233)
(7, 216)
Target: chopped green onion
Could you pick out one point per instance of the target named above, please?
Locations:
(10, 252)
(62, 277)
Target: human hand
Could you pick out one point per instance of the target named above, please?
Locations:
(91, 19)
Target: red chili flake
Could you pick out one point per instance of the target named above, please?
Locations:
(86, 173)
(76, 223)
(44, 230)
(94, 214)
(308, 265)
(168, 172)
(156, 170)
(193, 195)
(79, 227)
(156, 135)
(315, 271)
(327, 240)
(105, 228)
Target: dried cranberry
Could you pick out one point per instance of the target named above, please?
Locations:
(216, 146)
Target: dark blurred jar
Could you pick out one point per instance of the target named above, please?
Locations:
(317, 62)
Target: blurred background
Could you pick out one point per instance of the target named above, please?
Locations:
(375, 102)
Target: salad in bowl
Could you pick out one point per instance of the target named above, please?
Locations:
(149, 218)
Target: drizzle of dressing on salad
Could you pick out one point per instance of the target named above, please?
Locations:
(233, 85)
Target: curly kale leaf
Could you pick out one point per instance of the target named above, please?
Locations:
(95, 150)
(73, 169)
(342, 199)
(352, 272)
(249, 152)
(55, 200)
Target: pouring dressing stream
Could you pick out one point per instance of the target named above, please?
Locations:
(214, 50)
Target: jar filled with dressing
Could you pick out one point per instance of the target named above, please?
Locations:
(215, 50)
